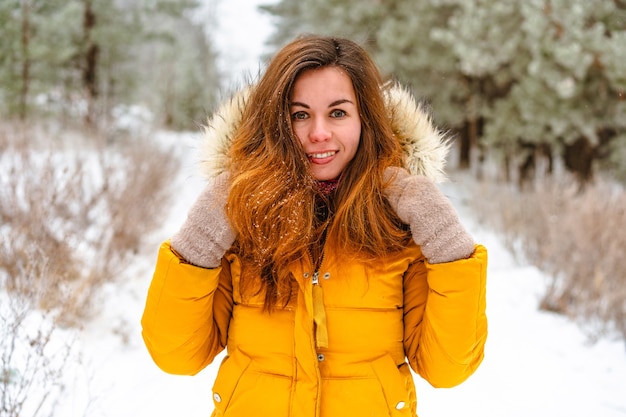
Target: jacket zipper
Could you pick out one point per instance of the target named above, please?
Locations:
(316, 278)
(318, 265)
(319, 311)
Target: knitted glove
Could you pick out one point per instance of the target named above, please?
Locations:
(434, 223)
(206, 235)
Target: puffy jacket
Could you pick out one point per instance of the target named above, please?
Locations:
(344, 343)
(377, 317)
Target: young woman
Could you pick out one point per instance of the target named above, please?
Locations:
(321, 256)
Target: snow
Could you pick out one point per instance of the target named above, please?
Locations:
(536, 363)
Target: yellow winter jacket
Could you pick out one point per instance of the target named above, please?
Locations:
(343, 345)
(375, 317)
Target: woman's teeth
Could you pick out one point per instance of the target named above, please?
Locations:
(322, 155)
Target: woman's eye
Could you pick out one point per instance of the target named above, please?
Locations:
(299, 115)
(337, 113)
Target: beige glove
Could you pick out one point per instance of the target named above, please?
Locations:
(206, 235)
(434, 223)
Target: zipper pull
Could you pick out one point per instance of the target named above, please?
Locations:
(319, 313)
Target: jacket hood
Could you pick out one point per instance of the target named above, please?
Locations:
(425, 146)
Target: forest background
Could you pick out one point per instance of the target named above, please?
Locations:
(533, 95)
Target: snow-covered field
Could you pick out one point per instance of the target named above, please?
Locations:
(536, 363)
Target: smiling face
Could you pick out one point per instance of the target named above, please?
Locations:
(326, 119)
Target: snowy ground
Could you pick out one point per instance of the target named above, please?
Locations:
(536, 363)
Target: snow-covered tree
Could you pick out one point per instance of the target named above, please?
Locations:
(86, 57)
(350, 18)
(569, 82)
(31, 42)
(183, 82)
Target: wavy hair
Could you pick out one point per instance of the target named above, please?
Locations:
(272, 199)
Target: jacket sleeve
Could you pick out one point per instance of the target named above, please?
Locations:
(187, 312)
(445, 325)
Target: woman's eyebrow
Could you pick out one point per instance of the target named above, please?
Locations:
(341, 101)
(334, 103)
(299, 104)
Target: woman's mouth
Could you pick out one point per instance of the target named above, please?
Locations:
(321, 155)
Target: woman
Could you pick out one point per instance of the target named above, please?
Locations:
(322, 257)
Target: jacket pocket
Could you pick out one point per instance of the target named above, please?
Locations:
(228, 376)
(397, 386)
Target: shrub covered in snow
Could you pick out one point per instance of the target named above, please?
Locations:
(575, 235)
(73, 214)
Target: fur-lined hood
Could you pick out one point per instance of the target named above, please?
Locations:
(425, 146)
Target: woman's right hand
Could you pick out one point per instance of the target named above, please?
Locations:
(206, 235)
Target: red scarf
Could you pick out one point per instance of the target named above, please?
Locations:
(328, 186)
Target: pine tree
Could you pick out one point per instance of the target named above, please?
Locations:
(84, 58)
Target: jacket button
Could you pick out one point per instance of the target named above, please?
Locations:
(217, 397)
(327, 275)
(320, 357)
(400, 405)
(306, 275)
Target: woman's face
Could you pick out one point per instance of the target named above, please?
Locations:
(326, 119)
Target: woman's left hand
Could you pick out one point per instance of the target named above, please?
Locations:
(434, 223)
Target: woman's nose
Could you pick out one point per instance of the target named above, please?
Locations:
(320, 131)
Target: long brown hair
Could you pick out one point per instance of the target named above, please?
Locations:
(272, 198)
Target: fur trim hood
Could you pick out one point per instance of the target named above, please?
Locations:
(425, 146)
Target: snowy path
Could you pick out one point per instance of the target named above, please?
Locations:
(536, 363)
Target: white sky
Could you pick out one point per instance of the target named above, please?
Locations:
(240, 36)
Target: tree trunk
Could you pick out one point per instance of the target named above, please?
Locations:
(578, 157)
(527, 168)
(464, 147)
(506, 163)
(23, 101)
(470, 132)
(92, 51)
(537, 161)
(546, 151)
